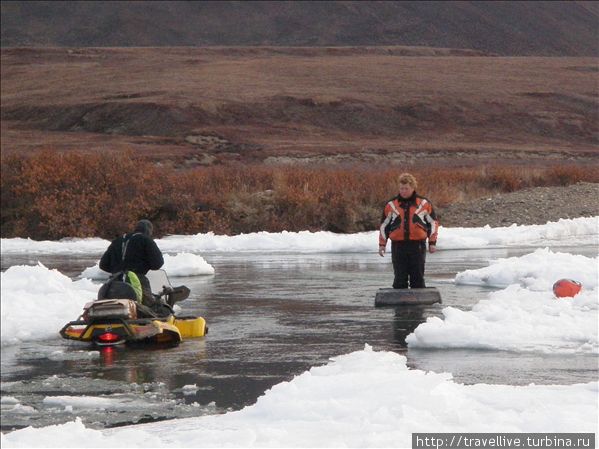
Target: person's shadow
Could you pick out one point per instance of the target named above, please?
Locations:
(407, 318)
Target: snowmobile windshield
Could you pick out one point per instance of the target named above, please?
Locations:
(158, 279)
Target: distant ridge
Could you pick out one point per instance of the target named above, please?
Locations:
(541, 28)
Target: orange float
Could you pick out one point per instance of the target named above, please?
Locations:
(566, 288)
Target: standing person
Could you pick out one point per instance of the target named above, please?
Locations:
(408, 220)
(137, 252)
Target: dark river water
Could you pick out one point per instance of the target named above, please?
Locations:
(270, 316)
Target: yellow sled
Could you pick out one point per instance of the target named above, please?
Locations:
(114, 320)
(115, 330)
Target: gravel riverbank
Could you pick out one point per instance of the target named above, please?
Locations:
(536, 205)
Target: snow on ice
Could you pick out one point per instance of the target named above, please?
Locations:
(584, 230)
(28, 290)
(323, 408)
(525, 316)
(535, 271)
(182, 264)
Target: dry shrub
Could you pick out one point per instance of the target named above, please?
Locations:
(565, 175)
(53, 195)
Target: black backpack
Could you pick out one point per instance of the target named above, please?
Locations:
(115, 288)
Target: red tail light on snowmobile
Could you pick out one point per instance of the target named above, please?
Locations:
(108, 337)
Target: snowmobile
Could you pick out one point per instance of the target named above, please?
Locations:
(117, 317)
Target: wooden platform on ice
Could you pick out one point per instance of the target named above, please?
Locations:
(406, 296)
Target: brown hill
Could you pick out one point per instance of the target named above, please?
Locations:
(284, 105)
(541, 28)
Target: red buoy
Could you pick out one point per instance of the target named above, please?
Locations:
(566, 288)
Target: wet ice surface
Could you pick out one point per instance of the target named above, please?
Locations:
(271, 316)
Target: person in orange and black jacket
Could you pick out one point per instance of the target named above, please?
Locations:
(408, 220)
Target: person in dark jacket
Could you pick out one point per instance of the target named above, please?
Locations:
(408, 221)
(137, 252)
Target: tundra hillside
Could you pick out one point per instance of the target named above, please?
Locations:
(380, 105)
(516, 28)
(244, 139)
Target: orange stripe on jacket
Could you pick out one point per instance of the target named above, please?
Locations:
(422, 221)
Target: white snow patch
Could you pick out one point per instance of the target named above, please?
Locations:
(564, 231)
(73, 355)
(179, 265)
(362, 399)
(525, 316)
(189, 389)
(536, 271)
(44, 299)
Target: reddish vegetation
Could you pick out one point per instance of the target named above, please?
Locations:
(52, 195)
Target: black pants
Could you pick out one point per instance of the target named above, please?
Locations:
(408, 259)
